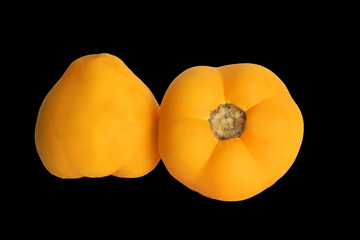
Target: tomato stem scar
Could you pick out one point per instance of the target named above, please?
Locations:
(227, 121)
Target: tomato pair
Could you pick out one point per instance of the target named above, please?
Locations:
(227, 133)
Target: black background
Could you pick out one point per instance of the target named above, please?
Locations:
(157, 49)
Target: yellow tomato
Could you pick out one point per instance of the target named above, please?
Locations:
(99, 119)
(229, 132)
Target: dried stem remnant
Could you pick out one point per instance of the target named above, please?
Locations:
(227, 121)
